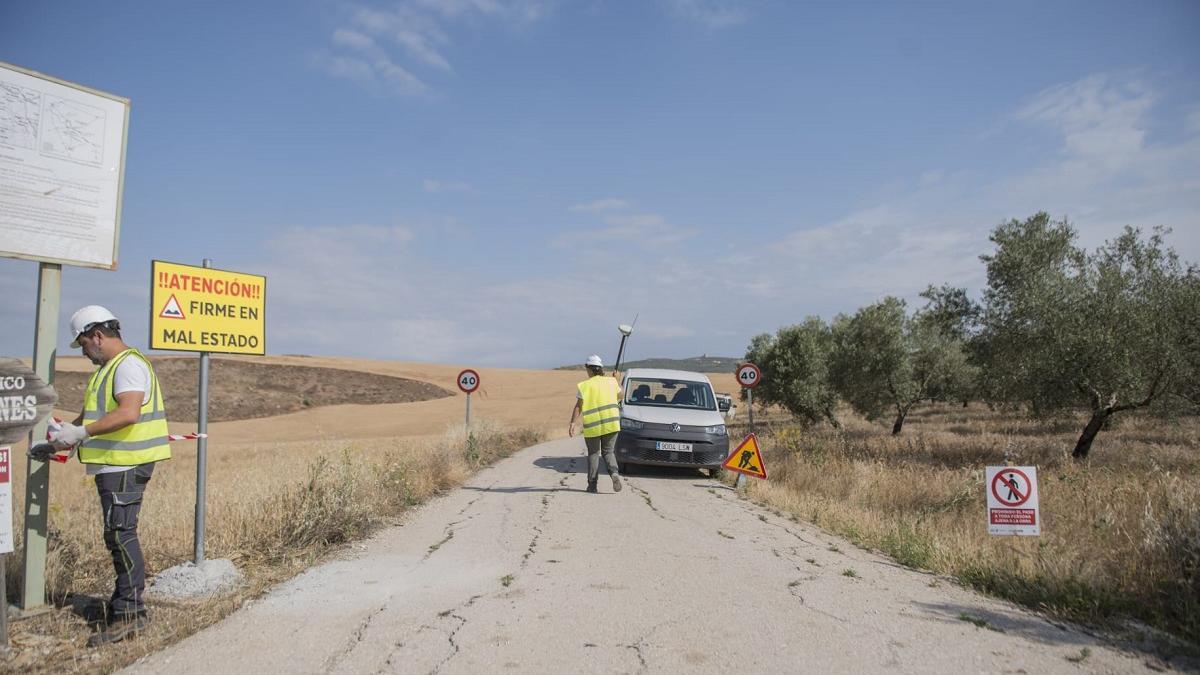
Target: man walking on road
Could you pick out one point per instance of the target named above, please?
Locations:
(596, 403)
(120, 434)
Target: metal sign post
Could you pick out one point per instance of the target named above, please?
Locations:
(748, 375)
(201, 452)
(468, 381)
(37, 482)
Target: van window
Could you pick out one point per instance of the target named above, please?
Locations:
(670, 394)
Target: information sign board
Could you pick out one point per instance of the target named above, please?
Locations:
(200, 309)
(62, 167)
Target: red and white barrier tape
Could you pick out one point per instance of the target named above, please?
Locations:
(55, 424)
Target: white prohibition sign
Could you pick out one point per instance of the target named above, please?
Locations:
(748, 375)
(468, 381)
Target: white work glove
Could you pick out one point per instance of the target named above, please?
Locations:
(69, 436)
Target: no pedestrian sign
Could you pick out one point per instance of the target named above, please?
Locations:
(199, 309)
(1012, 500)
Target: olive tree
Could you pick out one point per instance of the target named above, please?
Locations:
(1063, 329)
(885, 360)
(951, 312)
(795, 365)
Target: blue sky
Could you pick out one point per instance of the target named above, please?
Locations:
(501, 182)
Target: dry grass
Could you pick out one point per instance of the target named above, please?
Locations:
(1120, 534)
(273, 509)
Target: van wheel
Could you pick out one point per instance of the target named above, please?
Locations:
(623, 468)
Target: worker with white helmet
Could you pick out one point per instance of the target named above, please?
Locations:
(120, 434)
(596, 402)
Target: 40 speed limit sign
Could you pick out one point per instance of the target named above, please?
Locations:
(468, 381)
(748, 375)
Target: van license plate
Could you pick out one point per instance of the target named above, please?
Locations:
(673, 447)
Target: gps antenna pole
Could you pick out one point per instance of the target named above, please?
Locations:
(626, 331)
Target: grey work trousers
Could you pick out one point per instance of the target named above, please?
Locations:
(121, 502)
(597, 445)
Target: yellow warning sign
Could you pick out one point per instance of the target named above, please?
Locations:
(199, 309)
(747, 459)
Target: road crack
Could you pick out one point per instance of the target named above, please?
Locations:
(450, 637)
(449, 535)
(537, 530)
(355, 640)
(649, 502)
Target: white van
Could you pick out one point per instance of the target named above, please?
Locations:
(670, 418)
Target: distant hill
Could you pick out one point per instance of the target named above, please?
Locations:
(700, 364)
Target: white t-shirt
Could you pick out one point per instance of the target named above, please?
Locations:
(132, 375)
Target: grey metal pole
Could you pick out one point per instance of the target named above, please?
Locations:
(741, 479)
(37, 484)
(468, 412)
(201, 451)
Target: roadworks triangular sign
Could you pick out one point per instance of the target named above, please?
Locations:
(172, 310)
(747, 459)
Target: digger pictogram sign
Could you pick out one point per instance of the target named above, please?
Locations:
(747, 459)
(200, 309)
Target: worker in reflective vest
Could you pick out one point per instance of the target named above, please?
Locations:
(596, 404)
(119, 436)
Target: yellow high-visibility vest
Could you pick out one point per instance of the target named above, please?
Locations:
(143, 441)
(601, 414)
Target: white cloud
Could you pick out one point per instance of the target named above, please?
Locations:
(352, 39)
(644, 230)
(711, 13)
(600, 205)
(1104, 173)
(1101, 118)
(379, 75)
(430, 185)
(389, 44)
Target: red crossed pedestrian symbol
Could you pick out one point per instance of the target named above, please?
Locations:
(1011, 487)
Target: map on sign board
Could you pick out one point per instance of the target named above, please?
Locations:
(1012, 500)
(199, 309)
(62, 163)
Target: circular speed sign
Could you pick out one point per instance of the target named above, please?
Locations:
(748, 375)
(468, 380)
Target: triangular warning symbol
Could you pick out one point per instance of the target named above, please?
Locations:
(747, 459)
(172, 309)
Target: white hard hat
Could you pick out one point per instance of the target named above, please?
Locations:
(594, 360)
(86, 318)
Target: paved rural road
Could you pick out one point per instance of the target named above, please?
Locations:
(522, 571)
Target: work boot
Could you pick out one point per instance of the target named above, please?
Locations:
(120, 627)
(592, 488)
(616, 483)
